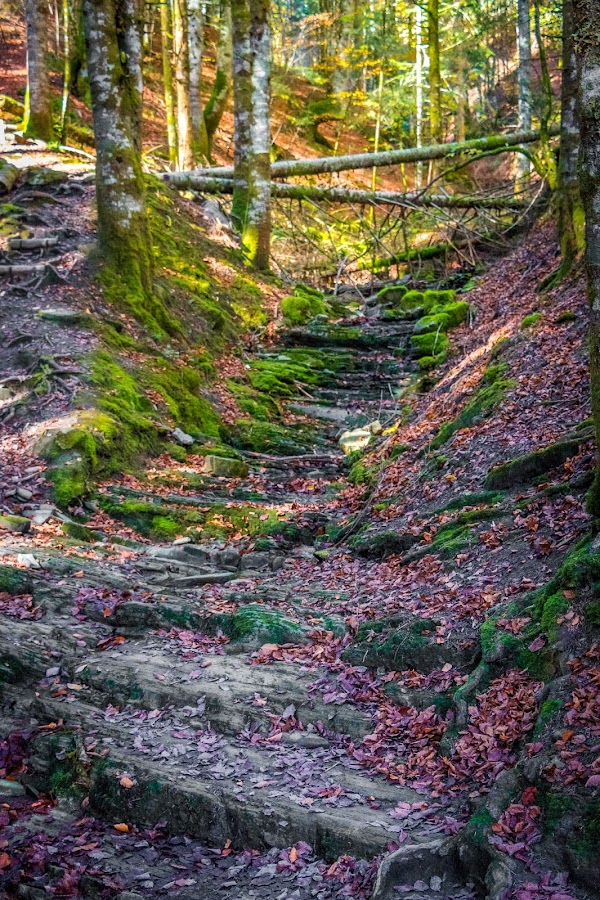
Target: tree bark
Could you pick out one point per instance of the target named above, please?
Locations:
(419, 90)
(569, 206)
(251, 208)
(38, 112)
(435, 76)
(167, 44)
(587, 48)
(114, 50)
(189, 181)
(64, 106)
(182, 84)
(219, 97)
(325, 164)
(524, 83)
(196, 40)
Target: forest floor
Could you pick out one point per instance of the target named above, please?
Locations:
(250, 667)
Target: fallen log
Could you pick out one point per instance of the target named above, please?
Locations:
(347, 195)
(287, 168)
(32, 243)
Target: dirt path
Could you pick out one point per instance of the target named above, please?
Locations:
(295, 697)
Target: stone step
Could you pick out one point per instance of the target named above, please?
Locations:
(216, 789)
(155, 673)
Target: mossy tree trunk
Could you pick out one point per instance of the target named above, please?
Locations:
(587, 48)
(217, 101)
(251, 207)
(196, 41)
(66, 22)
(182, 83)
(37, 121)
(569, 206)
(524, 84)
(435, 75)
(166, 37)
(114, 51)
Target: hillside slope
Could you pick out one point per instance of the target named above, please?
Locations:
(234, 661)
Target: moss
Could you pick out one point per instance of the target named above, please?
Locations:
(456, 311)
(429, 344)
(592, 612)
(550, 609)
(266, 437)
(493, 388)
(524, 469)
(438, 322)
(555, 806)
(180, 387)
(256, 619)
(392, 295)
(254, 403)
(531, 320)
(379, 544)
(547, 712)
(476, 499)
(587, 836)
(564, 317)
(302, 306)
(80, 533)
(479, 826)
(14, 581)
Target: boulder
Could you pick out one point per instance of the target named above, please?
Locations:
(357, 439)
(180, 437)
(223, 467)
(15, 524)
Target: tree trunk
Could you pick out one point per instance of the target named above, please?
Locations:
(66, 17)
(419, 90)
(182, 82)
(587, 47)
(38, 112)
(547, 161)
(570, 210)
(217, 102)
(167, 44)
(524, 84)
(320, 165)
(206, 185)
(196, 40)
(435, 76)
(114, 50)
(251, 208)
(341, 76)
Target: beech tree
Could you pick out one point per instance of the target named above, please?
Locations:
(37, 121)
(114, 52)
(251, 208)
(182, 83)
(167, 46)
(586, 17)
(524, 83)
(199, 136)
(217, 102)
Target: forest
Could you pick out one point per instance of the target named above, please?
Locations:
(299, 472)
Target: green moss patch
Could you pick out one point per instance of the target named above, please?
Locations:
(525, 469)
(302, 306)
(493, 388)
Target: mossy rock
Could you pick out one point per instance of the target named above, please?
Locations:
(302, 306)
(392, 296)
(14, 524)
(456, 311)
(223, 467)
(531, 320)
(80, 533)
(525, 469)
(429, 344)
(405, 642)
(15, 581)
(373, 544)
(265, 625)
(269, 438)
(438, 322)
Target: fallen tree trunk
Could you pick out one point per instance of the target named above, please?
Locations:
(347, 195)
(287, 168)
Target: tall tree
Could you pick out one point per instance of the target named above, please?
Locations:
(166, 37)
(570, 211)
(251, 207)
(196, 41)
(37, 121)
(435, 75)
(114, 52)
(182, 83)
(524, 83)
(217, 102)
(586, 17)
